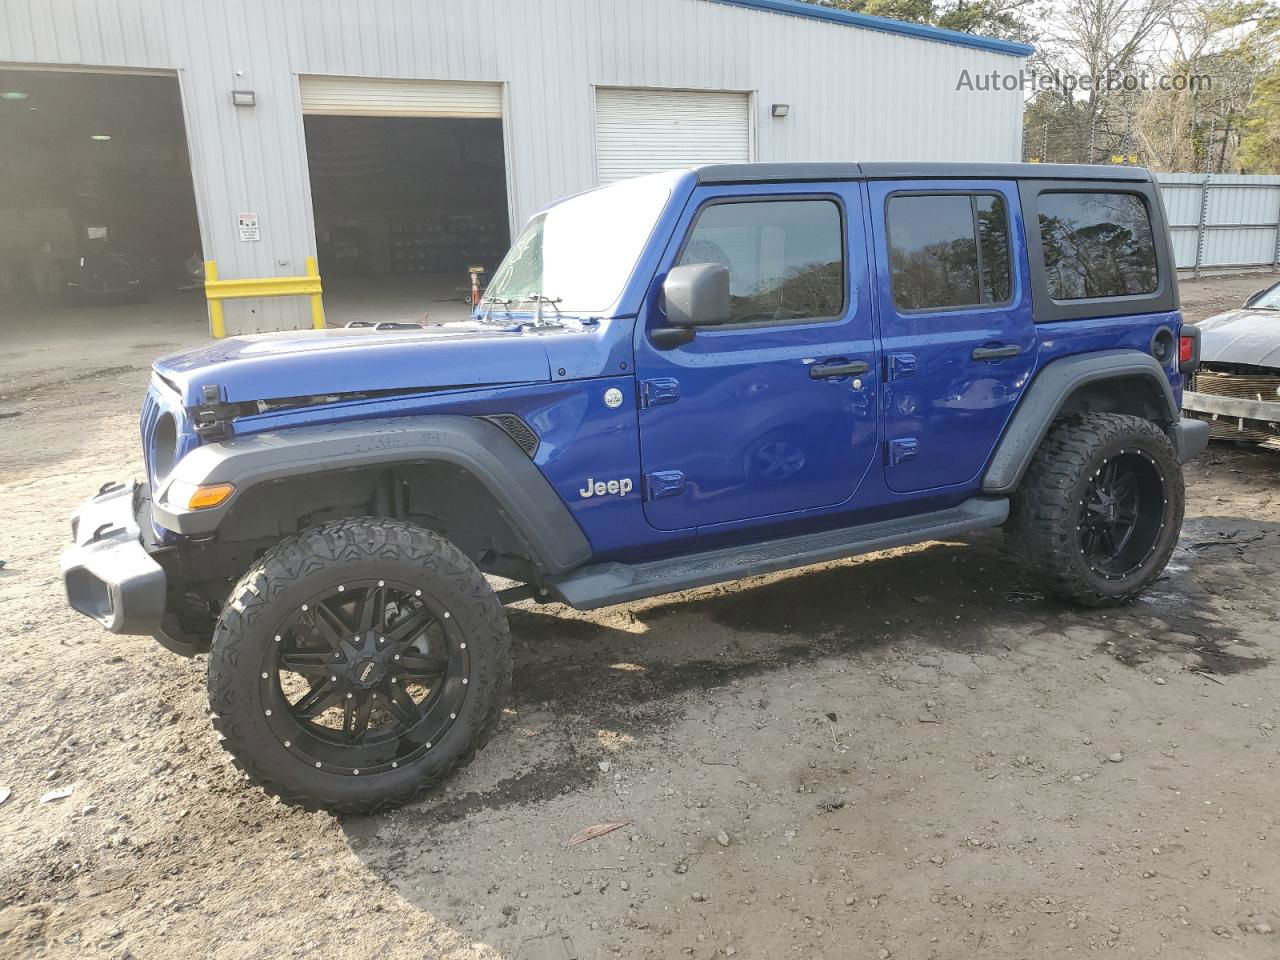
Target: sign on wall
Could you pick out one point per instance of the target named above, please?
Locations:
(248, 227)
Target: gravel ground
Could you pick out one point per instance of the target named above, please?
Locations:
(907, 755)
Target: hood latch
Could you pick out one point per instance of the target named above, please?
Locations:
(212, 419)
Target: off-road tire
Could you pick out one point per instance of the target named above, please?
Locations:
(1047, 509)
(328, 554)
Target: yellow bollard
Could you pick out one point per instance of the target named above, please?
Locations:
(317, 305)
(215, 291)
(217, 325)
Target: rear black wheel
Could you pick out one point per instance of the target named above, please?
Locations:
(1100, 508)
(1122, 514)
(357, 664)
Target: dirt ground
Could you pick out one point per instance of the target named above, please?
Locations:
(909, 755)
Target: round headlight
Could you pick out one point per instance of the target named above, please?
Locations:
(164, 445)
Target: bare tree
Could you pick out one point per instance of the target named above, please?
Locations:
(1222, 49)
(1104, 40)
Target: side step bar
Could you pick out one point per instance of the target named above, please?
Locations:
(602, 584)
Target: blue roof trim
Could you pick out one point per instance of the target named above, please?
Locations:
(918, 30)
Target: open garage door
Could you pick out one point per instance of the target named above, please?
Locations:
(409, 191)
(649, 131)
(367, 97)
(98, 230)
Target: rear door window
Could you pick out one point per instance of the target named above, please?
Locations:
(1097, 244)
(948, 251)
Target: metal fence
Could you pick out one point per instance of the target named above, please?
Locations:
(1223, 221)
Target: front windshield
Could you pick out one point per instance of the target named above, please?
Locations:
(1267, 300)
(581, 252)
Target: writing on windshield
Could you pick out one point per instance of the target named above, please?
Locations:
(580, 253)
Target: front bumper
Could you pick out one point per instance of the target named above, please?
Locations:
(109, 573)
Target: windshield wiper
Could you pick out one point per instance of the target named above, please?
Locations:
(489, 303)
(540, 299)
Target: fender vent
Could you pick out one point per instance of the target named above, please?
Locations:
(517, 430)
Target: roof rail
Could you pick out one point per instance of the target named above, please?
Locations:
(826, 172)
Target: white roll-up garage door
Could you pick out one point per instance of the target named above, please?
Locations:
(369, 97)
(648, 131)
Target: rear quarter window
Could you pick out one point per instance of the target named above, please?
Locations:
(1097, 244)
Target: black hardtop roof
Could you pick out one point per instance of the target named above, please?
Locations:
(823, 172)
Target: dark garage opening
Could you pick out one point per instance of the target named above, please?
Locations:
(403, 207)
(97, 210)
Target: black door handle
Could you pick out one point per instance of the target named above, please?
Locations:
(823, 371)
(996, 353)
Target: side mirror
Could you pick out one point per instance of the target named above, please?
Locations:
(696, 295)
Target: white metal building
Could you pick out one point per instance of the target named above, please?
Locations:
(525, 101)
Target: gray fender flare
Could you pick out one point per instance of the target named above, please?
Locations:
(1044, 399)
(475, 445)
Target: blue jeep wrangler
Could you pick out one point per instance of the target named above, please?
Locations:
(673, 381)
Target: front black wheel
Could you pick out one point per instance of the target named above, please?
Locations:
(357, 664)
(1099, 511)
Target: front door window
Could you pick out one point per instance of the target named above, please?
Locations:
(785, 257)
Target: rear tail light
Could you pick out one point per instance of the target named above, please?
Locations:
(1188, 349)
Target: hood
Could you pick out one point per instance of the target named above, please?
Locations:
(1242, 336)
(317, 362)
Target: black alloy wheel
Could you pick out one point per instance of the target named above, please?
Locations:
(1098, 512)
(1122, 514)
(365, 676)
(357, 664)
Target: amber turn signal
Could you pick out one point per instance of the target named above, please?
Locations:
(187, 496)
(210, 496)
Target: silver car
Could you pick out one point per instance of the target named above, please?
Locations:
(1237, 387)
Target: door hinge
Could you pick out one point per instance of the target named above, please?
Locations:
(901, 450)
(661, 390)
(899, 365)
(663, 483)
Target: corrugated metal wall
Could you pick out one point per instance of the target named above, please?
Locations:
(1222, 220)
(855, 94)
